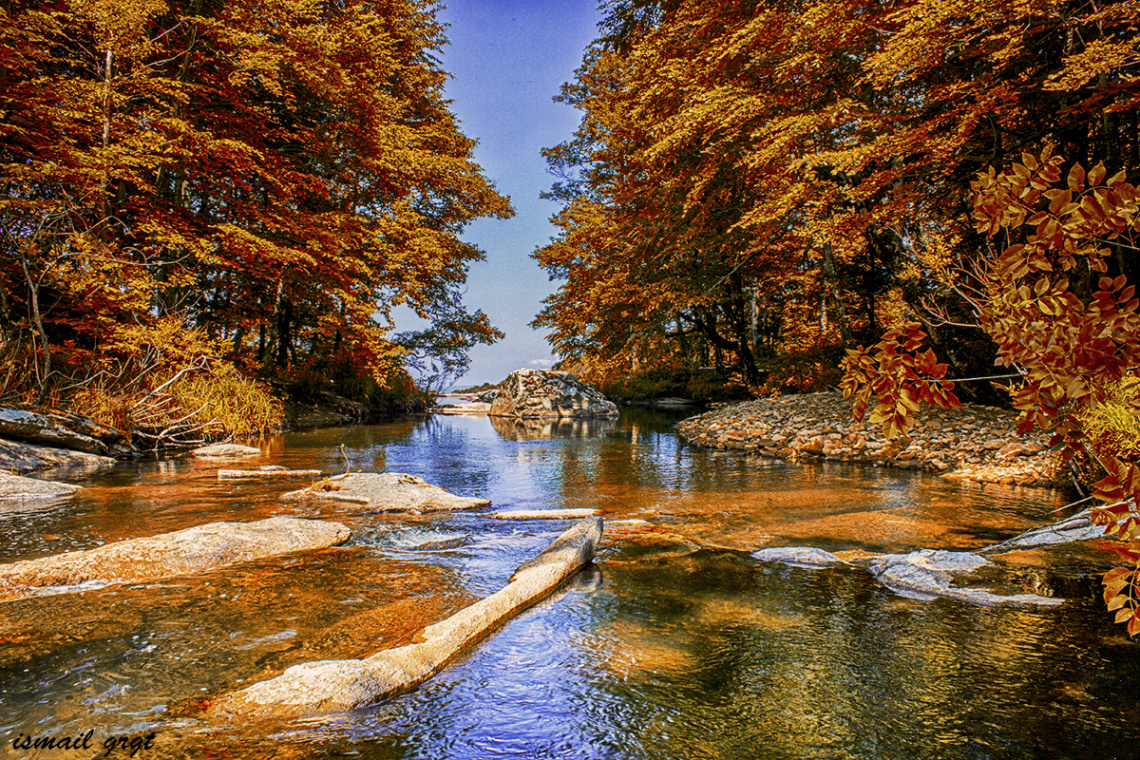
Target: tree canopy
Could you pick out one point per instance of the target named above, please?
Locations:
(261, 182)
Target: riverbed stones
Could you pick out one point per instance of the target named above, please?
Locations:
(797, 556)
(203, 547)
(328, 686)
(544, 514)
(385, 492)
(25, 489)
(543, 394)
(975, 443)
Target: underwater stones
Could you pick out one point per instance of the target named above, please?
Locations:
(203, 547)
(930, 572)
(385, 492)
(17, 487)
(533, 393)
(328, 686)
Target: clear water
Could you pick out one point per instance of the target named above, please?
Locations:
(677, 644)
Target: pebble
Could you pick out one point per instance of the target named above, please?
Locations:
(976, 443)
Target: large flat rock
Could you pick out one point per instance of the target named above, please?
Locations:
(328, 686)
(28, 457)
(385, 492)
(17, 487)
(185, 551)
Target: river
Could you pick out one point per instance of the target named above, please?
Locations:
(677, 644)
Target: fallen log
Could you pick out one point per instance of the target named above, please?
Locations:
(267, 471)
(203, 547)
(327, 686)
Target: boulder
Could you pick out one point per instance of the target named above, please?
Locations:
(541, 394)
(60, 430)
(185, 551)
(16, 487)
(327, 686)
(385, 492)
(28, 457)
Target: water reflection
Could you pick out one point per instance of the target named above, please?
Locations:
(679, 644)
(541, 430)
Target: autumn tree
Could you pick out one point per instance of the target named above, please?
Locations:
(272, 178)
(810, 162)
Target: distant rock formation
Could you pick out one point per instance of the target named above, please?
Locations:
(549, 394)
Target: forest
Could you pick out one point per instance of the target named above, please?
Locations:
(208, 204)
(916, 201)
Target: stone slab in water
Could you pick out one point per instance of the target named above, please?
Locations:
(185, 551)
(543, 394)
(17, 487)
(797, 556)
(329, 686)
(385, 492)
(226, 451)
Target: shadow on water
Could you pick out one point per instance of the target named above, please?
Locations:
(678, 644)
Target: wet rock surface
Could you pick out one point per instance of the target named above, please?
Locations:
(385, 492)
(336, 685)
(532, 393)
(185, 551)
(975, 443)
(62, 430)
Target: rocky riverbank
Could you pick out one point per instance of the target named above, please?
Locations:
(975, 443)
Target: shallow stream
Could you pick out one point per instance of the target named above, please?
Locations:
(677, 644)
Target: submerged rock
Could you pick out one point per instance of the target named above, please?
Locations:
(185, 551)
(1076, 528)
(798, 556)
(16, 487)
(544, 514)
(534, 393)
(335, 685)
(930, 572)
(385, 492)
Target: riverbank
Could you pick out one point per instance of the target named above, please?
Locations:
(975, 443)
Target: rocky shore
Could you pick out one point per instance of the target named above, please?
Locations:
(975, 443)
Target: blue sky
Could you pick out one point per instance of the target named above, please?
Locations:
(508, 59)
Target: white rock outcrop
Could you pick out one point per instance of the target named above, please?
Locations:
(543, 394)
